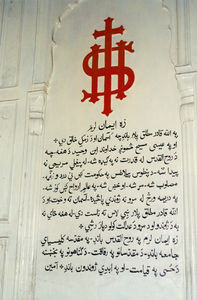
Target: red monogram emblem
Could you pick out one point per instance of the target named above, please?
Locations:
(108, 70)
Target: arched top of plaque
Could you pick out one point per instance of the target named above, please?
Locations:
(73, 39)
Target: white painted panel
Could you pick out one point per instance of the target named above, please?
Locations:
(10, 49)
(3, 249)
(7, 139)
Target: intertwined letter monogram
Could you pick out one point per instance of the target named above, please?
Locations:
(108, 70)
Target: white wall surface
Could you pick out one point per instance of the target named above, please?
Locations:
(42, 47)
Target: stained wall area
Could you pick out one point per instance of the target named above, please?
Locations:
(43, 44)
